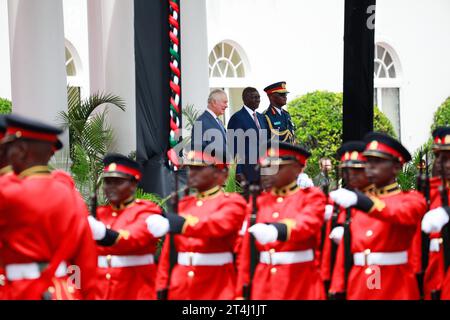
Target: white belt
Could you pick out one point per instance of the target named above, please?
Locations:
(287, 257)
(125, 261)
(204, 259)
(435, 245)
(30, 271)
(380, 258)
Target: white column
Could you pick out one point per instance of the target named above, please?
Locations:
(5, 77)
(38, 73)
(112, 67)
(194, 54)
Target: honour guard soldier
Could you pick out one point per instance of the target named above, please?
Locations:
(126, 263)
(435, 221)
(278, 119)
(205, 231)
(383, 226)
(5, 169)
(288, 222)
(45, 233)
(352, 166)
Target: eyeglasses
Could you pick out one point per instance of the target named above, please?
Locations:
(281, 94)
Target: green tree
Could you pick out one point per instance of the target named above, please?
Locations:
(442, 115)
(318, 120)
(5, 106)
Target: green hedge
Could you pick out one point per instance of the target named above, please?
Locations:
(442, 115)
(318, 119)
(5, 106)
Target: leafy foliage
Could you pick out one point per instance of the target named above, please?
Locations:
(5, 106)
(442, 115)
(161, 202)
(318, 119)
(90, 136)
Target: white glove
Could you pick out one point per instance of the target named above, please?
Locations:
(336, 234)
(303, 181)
(344, 197)
(264, 233)
(434, 220)
(329, 208)
(157, 225)
(98, 228)
(435, 245)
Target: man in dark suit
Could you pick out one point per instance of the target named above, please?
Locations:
(208, 130)
(278, 119)
(246, 143)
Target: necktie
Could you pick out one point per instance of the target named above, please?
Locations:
(221, 125)
(255, 118)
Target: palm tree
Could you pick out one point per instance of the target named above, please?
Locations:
(90, 136)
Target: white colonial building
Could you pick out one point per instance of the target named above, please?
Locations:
(227, 44)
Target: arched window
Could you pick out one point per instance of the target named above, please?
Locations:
(225, 62)
(228, 70)
(387, 84)
(70, 64)
(73, 71)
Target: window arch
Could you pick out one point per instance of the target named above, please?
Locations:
(225, 62)
(229, 70)
(387, 82)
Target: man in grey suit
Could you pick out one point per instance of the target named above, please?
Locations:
(208, 130)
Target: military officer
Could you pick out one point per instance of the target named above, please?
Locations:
(279, 120)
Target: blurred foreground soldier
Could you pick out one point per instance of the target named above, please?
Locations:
(352, 166)
(287, 226)
(45, 235)
(435, 222)
(278, 119)
(206, 230)
(126, 262)
(5, 169)
(383, 226)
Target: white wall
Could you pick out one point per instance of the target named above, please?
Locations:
(5, 70)
(297, 41)
(194, 53)
(75, 31)
(419, 32)
(301, 42)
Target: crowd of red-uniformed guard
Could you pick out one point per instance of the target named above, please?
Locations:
(370, 240)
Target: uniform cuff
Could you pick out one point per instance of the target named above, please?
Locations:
(110, 238)
(363, 203)
(282, 231)
(176, 222)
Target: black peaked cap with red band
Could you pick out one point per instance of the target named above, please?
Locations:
(120, 166)
(441, 138)
(384, 146)
(20, 127)
(283, 153)
(278, 87)
(351, 154)
(196, 157)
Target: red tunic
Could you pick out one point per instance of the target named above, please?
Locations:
(38, 213)
(130, 282)
(212, 225)
(303, 211)
(389, 227)
(435, 274)
(3, 293)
